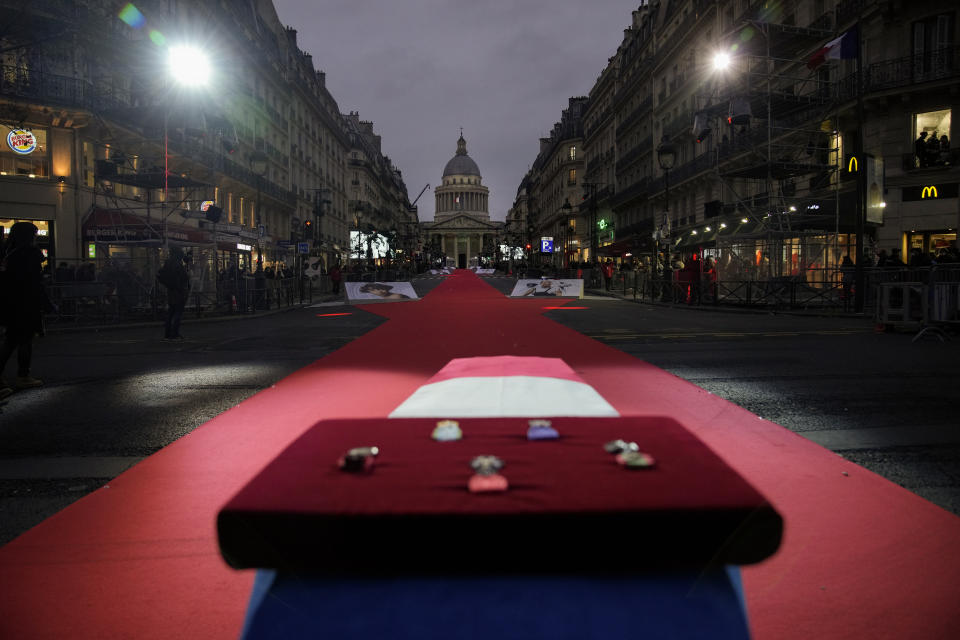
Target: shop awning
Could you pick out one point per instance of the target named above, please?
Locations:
(617, 249)
(112, 226)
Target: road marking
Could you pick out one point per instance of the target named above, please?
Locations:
(50, 468)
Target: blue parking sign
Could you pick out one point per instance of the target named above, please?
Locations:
(303, 247)
(546, 245)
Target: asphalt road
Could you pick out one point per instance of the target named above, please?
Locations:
(117, 395)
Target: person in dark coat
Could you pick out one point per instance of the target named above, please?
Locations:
(24, 302)
(335, 277)
(173, 275)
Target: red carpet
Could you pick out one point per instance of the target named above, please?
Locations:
(861, 557)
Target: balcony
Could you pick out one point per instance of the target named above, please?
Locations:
(940, 65)
(48, 88)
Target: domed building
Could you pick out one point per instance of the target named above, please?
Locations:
(461, 231)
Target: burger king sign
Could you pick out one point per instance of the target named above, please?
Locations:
(21, 141)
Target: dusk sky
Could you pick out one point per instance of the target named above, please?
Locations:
(421, 69)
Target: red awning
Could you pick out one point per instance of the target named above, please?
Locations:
(111, 226)
(616, 248)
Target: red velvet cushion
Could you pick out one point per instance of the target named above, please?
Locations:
(570, 506)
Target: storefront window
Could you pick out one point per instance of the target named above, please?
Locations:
(26, 160)
(43, 232)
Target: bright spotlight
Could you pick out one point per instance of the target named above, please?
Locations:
(189, 66)
(721, 61)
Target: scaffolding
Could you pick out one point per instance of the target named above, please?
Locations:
(772, 126)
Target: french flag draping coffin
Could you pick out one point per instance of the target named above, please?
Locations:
(570, 506)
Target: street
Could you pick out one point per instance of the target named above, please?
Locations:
(117, 395)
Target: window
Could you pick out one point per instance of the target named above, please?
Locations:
(573, 152)
(933, 122)
(932, 39)
(572, 177)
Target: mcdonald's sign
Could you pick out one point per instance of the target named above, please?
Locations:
(853, 166)
(929, 192)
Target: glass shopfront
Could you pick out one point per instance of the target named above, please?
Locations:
(44, 228)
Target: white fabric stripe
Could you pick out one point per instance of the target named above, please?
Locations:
(508, 396)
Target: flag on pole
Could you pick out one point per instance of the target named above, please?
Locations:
(842, 48)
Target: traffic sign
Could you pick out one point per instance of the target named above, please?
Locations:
(303, 247)
(546, 245)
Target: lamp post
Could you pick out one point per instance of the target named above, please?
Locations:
(666, 157)
(189, 68)
(258, 165)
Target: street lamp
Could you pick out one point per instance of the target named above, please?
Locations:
(258, 165)
(188, 67)
(666, 157)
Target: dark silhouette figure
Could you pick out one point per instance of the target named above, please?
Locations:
(335, 278)
(173, 275)
(920, 149)
(24, 302)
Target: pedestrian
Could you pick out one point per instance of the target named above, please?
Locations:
(847, 273)
(608, 273)
(335, 277)
(23, 303)
(173, 275)
(920, 149)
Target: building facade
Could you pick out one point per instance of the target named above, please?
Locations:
(772, 157)
(115, 159)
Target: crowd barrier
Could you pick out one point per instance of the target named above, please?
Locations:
(825, 289)
(107, 303)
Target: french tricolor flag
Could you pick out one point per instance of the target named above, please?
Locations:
(842, 48)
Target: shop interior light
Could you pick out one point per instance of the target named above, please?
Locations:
(708, 229)
(792, 208)
(723, 225)
(744, 220)
(694, 232)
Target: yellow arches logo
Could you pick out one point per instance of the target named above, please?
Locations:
(853, 166)
(929, 192)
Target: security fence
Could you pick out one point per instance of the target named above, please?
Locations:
(128, 291)
(821, 289)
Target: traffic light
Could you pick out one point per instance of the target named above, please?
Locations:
(308, 229)
(529, 246)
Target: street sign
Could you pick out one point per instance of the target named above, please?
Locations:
(262, 230)
(546, 245)
(284, 243)
(303, 247)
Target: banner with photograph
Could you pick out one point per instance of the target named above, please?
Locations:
(313, 268)
(366, 292)
(548, 287)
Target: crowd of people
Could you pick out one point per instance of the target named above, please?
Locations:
(932, 150)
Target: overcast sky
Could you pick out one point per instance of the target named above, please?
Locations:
(421, 69)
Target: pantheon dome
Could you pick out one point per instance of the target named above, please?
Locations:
(461, 164)
(462, 191)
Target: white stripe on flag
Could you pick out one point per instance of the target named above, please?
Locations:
(504, 396)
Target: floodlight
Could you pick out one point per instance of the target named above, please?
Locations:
(188, 66)
(721, 61)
